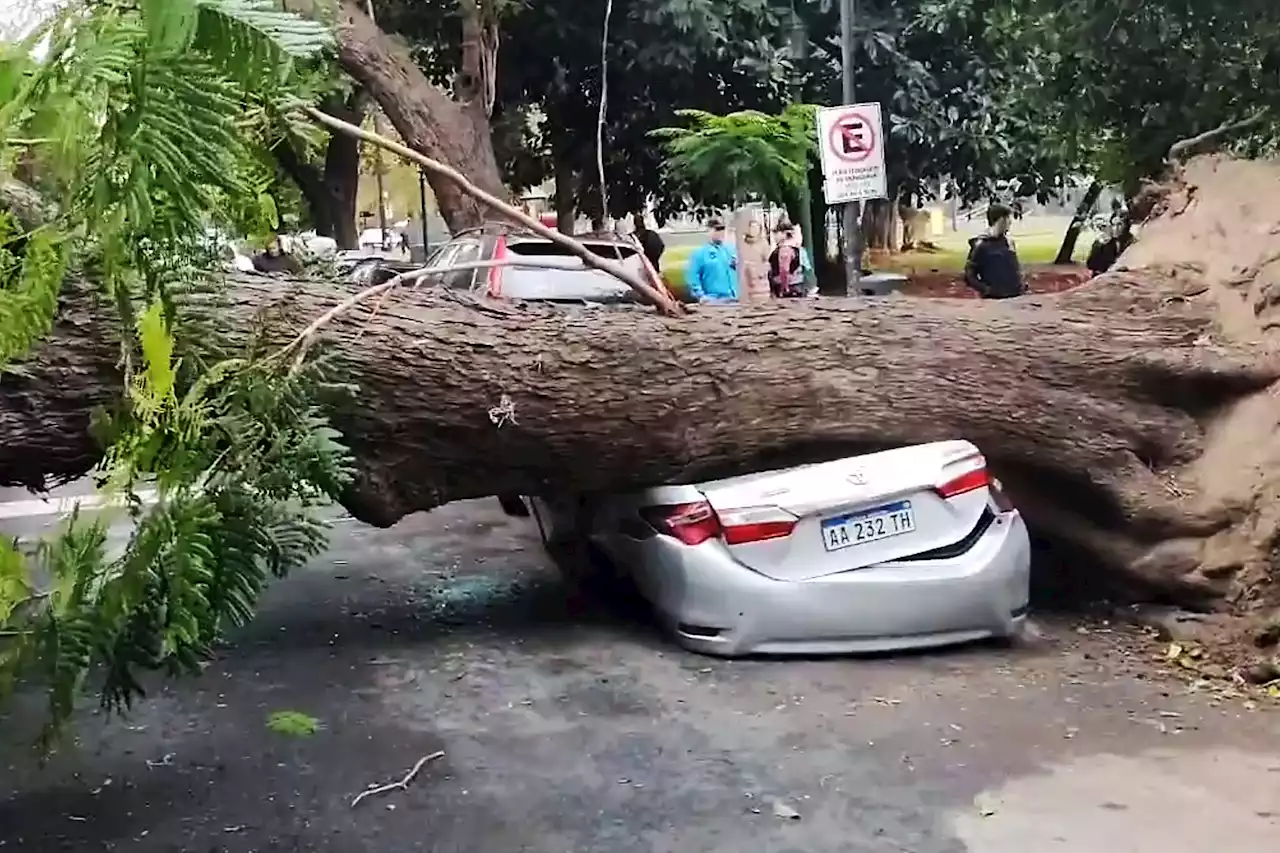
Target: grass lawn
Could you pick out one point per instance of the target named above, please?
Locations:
(1034, 247)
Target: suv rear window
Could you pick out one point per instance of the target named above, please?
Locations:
(574, 282)
(545, 248)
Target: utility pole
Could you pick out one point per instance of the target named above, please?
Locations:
(377, 163)
(799, 49)
(851, 214)
(422, 200)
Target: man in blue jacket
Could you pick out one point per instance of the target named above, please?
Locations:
(712, 273)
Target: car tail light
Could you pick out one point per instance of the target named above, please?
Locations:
(495, 272)
(695, 523)
(756, 524)
(969, 481)
(691, 523)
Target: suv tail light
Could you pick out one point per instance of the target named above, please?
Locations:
(495, 273)
(695, 523)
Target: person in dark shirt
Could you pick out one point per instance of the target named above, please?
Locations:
(276, 259)
(1108, 249)
(650, 242)
(992, 268)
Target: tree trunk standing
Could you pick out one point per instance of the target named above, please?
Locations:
(427, 119)
(342, 185)
(330, 193)
(1067, 250)
(752, 246)
(893, 240)
(566, 180)
(877, 224)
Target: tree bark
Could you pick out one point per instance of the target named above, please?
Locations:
(566, 181)
(330, 192)
(426, 117)
(877, 224)
(1067, 250)
(1134, 419)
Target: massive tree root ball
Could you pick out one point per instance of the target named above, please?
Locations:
(1134, 418)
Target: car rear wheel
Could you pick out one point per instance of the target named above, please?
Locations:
(581, 562)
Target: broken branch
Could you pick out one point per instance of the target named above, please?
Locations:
(1201, 143)
(402, 784)
(665, 303)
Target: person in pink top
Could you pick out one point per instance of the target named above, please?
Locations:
(787, 278)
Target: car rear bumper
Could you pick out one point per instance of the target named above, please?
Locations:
(717, 606)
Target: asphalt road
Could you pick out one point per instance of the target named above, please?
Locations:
(565, 726)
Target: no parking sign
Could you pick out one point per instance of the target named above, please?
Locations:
(851, 140)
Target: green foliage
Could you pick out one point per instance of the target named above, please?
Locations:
(293, 723)
(727, 160)
(715, 55)
(146, 123)
(1116, 85)
(31, 270)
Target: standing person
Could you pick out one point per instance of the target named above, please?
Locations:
(1110, 245)
(650, 242)
(795, 238)
(712, 273)
(992, 268)
(786, 266)
(790, 267)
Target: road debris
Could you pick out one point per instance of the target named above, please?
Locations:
(784, 811)
(402, 784)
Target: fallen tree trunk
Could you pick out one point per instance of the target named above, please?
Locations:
(1131, 417)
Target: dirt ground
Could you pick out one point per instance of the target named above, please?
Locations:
(566, 728)
(1046, 278)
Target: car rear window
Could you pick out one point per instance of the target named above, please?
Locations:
(572, 281)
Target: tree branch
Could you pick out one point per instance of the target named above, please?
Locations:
(664, 302)
(1201, 143)
(23, 202)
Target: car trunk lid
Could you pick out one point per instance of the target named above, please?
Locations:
(817, 520)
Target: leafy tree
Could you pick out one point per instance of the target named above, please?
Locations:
(1125, 84)
(956, 115)
(728, 160)
(715, 55)
(143, 124)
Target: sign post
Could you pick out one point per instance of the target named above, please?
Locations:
(851, 142)
(851, 213)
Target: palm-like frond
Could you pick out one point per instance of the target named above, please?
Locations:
(742, 155)
(145, 121)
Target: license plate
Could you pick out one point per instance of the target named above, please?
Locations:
(872, 525)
